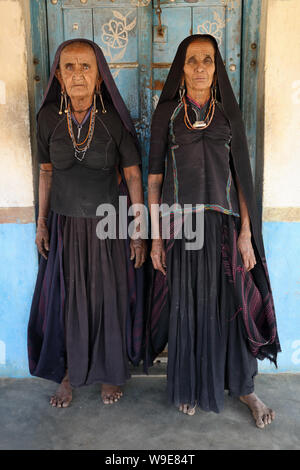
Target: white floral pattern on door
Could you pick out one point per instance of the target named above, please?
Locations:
(115, 37)
(214, 28)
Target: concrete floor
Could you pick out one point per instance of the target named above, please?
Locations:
(143, 419)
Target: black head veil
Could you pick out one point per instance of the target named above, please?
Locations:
(239, 146)
(110, 90)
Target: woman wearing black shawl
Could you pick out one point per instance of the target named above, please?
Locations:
(86, 314)
(213, 306)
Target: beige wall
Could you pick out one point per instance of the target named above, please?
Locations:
(281, 193)
(16, 187)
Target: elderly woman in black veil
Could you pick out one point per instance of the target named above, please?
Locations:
(86, 316)
(214, 305)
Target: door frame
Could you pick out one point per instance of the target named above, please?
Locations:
(252, 83)
(252, 87)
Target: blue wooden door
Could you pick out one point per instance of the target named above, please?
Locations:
(139, 39)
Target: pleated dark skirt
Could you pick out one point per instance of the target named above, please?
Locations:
(96, 304)
(207, 347)
(87, 309)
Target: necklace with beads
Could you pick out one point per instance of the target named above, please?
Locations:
(200, 125)
(80, 148)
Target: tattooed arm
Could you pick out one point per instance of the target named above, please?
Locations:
(158, 254)
(244, 240)
(138, 246)
(42, 234)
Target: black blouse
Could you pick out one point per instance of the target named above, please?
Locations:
(78, 187)
(196, 163)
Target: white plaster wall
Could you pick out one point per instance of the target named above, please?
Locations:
(16, 186)
(282, 105)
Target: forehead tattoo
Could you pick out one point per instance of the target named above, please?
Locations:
(201, 57)
(70, 58)
(80, 62)
(204, 54)
(207, 51)
(77, 50)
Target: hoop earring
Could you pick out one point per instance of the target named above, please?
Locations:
(61, 102)
(214, 90)
(95, 103)
(101, 99)
(181, 91)
(66, 102)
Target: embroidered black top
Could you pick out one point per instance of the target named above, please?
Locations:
(195, 163)
(78, 187)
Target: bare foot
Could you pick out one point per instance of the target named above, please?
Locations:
(63, 395)
(110, 393)
(187, 409)
(261, 413)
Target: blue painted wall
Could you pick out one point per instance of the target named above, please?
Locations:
(282, 245)
(18, 270)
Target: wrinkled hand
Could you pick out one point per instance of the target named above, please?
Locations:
(246, 249)
(138, 250)
(158, 255)
(42, 240)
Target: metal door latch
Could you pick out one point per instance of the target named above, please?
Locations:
(159, 32)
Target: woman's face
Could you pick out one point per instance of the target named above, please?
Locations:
(199, 67)
(78, 71)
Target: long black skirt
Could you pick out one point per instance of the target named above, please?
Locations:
(96, 304)
(207, 343)
(216, 317)
(87, 309)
